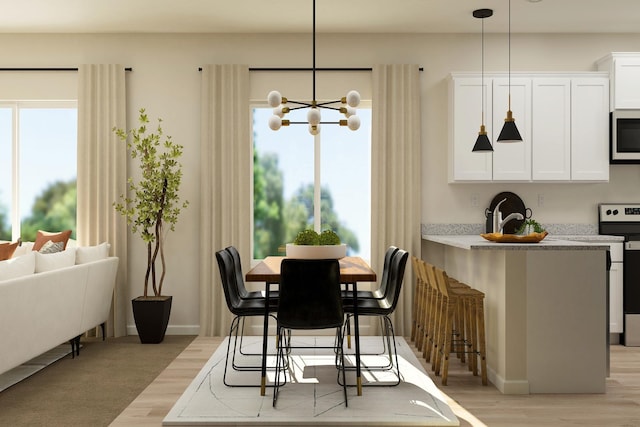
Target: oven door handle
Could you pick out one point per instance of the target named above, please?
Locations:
(633, 245)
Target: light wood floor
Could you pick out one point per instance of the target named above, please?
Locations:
(472, 403)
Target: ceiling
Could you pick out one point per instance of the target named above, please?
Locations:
(333, 16)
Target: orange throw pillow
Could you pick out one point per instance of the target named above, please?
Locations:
(7, 250)
(43, 237)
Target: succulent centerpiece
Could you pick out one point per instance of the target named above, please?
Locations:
(312, 245)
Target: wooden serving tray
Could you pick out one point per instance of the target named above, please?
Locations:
(515, 238)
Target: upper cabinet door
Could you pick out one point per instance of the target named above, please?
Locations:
(590, 129)
(626, 83)
(551, 128)
(512, 161)
(465, 118)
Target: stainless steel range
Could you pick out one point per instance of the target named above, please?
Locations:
(623, 219)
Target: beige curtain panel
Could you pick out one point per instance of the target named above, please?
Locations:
(395, 173)
(225, 184)
(102, 172)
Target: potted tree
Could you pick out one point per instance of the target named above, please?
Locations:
(152, 207)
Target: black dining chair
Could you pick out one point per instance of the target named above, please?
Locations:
(309, 299)
(384, 308)
(378, 293)
(241, 308)
(246, 295)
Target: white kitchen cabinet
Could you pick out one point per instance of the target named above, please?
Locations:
(624, 71)
(465, 118)
(590, 129)
(562, 118)
(512, 161)
(551, 153)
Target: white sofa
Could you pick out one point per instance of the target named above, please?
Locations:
(42, 310)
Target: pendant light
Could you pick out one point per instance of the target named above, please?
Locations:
(509, 131)
(281, 104)
(482, 143)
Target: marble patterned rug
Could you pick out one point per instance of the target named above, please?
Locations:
(312, 395)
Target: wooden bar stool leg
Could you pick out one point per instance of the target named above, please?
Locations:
(481, 339)
(448, 335)
(473, 313)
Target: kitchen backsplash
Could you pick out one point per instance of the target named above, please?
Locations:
(559, 229)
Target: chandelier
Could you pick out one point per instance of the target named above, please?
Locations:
(281, 105)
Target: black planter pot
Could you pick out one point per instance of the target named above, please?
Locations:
(151, 315)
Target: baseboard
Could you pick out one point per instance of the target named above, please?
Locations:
(508, 387)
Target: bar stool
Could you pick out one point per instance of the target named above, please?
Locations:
(470, 303)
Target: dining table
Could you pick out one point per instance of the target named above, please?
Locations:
(352, 270)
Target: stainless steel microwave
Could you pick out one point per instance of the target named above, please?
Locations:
(625, 136)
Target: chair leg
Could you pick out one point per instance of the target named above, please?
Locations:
(446, 347)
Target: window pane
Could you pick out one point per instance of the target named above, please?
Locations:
(283, 178)
(346, 180)
(5, 173)
(47, 176)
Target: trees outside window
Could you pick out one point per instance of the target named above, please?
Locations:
(38, 146)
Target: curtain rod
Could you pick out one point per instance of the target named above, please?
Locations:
(47, 69)
(308, 69)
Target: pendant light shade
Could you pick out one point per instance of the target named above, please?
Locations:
(509, 132)
(482, 142)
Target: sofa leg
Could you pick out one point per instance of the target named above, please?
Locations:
(102, 326)
(75, 346)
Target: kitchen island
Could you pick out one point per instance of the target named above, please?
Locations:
(545, 309)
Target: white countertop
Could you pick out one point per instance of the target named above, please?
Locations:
(592, 242)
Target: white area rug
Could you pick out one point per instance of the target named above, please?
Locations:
(34, 365)
(313, 396)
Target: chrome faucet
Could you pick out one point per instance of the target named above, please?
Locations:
(513, 215)
(498, 222)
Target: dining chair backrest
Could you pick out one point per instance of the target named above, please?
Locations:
(237, 268)
(396, 277)
(228, 278)
(310, 296)
(384, 280)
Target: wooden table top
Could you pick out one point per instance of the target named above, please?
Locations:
(352, 269)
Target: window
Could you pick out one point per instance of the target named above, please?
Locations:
(38, 141)
(289, 170)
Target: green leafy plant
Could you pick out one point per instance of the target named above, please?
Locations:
(311, 238)
(307, 237)
(153, 201)
(529, 225)
(329, 237)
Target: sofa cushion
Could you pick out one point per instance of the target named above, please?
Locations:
(7, 250)
(18, 266)
(44, 236)
(48, 262)
(23, 248)
(85, 254)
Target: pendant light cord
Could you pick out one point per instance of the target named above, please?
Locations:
(314, 52)
(482, 70)
(509, 55)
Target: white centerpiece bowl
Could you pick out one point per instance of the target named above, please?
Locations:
(316, 252)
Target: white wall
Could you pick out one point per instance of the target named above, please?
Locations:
(165, 80)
